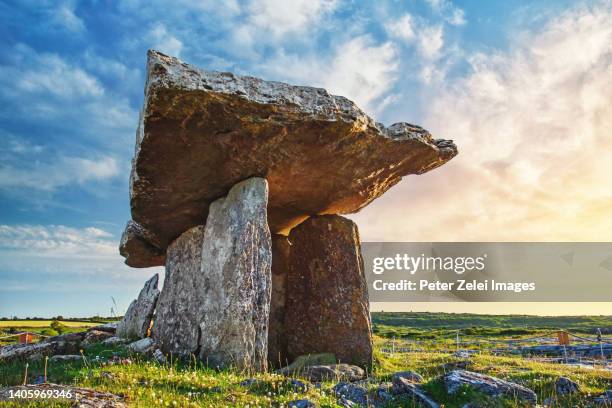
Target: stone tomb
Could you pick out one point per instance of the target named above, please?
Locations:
(236, 187)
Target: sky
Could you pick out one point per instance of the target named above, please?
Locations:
(524, 90)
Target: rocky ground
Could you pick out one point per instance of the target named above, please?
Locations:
(103, 370)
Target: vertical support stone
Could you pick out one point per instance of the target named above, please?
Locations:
(277, 341)
(236, 263)
(218, 293)
(327, 307)
(179, 308)
(137, 320)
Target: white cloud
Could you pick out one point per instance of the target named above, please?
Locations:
(82, 262)
(52, 74)
(280, 17)
(57, 240)
(62, 171)
(65, 16)
(163, 41)
(533, 130)
(402, 28)
(431, 41)
(451, 13)
(359, 69)
(46, 88)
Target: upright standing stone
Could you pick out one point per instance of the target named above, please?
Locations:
(180, 305)
(327, 308)
(216, 298)
(236, 264)
(137, 320)
(277, 341)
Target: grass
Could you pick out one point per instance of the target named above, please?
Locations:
(423, 325)
(146, 383)
(43, 327)
(7, 324)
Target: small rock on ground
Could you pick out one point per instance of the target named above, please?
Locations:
(412, 391)
(351, 392)
(303, 403)
(96, 336)
(410, 376)
(604, 399)
(564, 386)
(66, 357)
(316, 373)
(142, 346)
(112, 341)
(491, 386)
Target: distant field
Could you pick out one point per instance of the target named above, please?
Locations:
(424, 325)
(42, 323)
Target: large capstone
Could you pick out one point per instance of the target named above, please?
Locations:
(216, 297)
(326, 305)
(201, 132)
(137, 320)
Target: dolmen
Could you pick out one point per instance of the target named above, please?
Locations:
(236, 188)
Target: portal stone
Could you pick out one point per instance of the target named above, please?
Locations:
(277, 341)
(216, 298)
(137, 320)
(326, 307)
(180, 306)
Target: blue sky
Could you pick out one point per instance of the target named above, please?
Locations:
(505, 79)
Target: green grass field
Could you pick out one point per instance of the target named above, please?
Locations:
(42, 323)
(149, 384)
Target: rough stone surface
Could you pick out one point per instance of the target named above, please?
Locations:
(159, 356)
(66, 357)
(412, 391)
(96, 336)
(142, 346)
(277, 341)
(564, 386)
(112, 341)
(303, 403)
(82, 397)
(202, 132)
(65, 344)
(137, 320)
(106, 327)
(488, 385)
(139, 247)
(410, 376)
(327, 307)
(181, 302)
(604, 399)
(381, 395)
(226, 295)
(307, 360)
(317, 373)
(351, 392)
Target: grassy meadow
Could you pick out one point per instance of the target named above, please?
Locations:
(189, 384)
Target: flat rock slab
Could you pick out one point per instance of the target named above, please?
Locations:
(137, 320)
(201, 132)
(64, 344)
(82, 397)
(413, 392)
(325, 372)
(491, 386)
